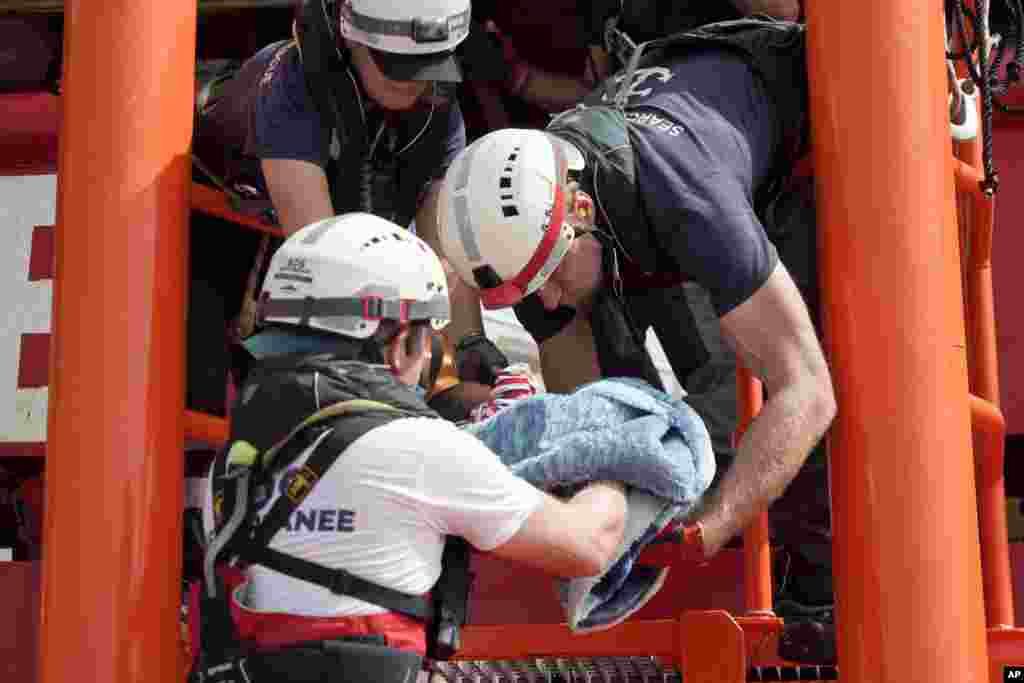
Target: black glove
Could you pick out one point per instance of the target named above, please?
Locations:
(595, 13)
(479, 360)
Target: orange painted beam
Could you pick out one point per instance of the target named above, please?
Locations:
(663, 638)
(714, 648)
(212, 201)
(207, 428)
(114, 470)
(977, 218)
(907, 558)
(989, 429)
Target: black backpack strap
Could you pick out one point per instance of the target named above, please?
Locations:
(345, 429)
(451, 599)
(334, 91)
(341, 582)
(314, 34)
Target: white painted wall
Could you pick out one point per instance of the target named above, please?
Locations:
(25, 202)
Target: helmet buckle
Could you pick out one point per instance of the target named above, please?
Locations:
(373, 308)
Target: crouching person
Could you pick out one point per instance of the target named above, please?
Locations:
(342, 503)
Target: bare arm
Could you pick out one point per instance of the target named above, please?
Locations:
(299, 192)
(773, 335)
(780, 9)
(577, 537)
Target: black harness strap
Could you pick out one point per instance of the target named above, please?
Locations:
(244, 471)
(321, 59)
(451, 594)
(326, 452)
(331, 86)
(297, 486)
(341, 582)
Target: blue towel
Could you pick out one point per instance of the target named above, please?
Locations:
(619, 429)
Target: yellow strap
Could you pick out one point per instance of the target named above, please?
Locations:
(242, 453)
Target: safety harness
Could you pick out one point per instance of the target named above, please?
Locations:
(359, 398)
(773, 49)
(641, 287)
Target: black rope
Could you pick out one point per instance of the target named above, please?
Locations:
(984, 70)
(991, 182)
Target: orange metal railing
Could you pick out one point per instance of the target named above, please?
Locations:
(987, 423)
(111, 568)
(669, 638)
(757, 557)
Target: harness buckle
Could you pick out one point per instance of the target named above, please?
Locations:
(373, 308)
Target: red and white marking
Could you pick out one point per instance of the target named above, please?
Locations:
(27, 214)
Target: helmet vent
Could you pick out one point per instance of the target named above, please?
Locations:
(505, 183)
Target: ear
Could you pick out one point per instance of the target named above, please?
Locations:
(395, 352)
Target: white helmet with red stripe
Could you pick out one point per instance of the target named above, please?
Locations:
(502, 212)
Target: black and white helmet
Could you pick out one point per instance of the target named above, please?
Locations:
(411, 40)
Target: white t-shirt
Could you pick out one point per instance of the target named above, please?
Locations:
(382, 510)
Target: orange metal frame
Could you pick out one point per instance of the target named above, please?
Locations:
(920, 531)
(111, 574)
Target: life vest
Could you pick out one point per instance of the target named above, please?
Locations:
(601, 131)
(649, 19)
(276, 419)
(599, 128)
(776, 51)
(364, 176)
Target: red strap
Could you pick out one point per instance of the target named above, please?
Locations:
(278, 629)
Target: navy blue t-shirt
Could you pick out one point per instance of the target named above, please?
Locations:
(704, 140)
(266, 112)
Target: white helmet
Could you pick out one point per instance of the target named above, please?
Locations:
(502, 212)
(347, 273)
(412, 40)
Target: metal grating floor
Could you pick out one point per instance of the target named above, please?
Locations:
(602, 670)
(559, 670)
